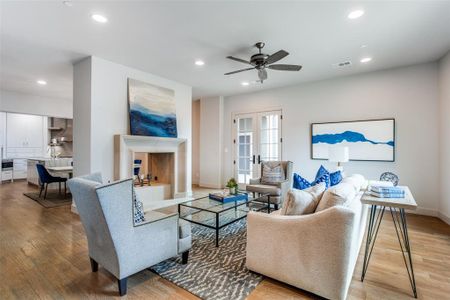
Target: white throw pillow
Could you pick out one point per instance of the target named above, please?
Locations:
(357, 180)
(301, 202)
(340, 194)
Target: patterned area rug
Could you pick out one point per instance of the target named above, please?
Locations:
(213, 273)
(54, 199)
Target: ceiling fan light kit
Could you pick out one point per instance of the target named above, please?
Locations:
(261, 61)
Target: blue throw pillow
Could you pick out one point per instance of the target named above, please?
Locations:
(300, 183)
(324, 178)
(335, 178)
(322, 171)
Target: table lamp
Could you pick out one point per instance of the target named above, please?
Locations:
(339, 154)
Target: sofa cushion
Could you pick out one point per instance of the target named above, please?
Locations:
(300, 202)
(340, 194)
(272, 172)
(264, 189)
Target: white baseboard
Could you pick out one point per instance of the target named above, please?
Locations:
(209, 185)
(423, 211)
(444, 218)
(74, 209)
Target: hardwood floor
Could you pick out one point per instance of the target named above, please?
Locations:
(43, 255)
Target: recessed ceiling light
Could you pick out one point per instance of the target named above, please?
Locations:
(366, 60)
(245, 83)
(355, 14)
(68, 3)
(199, 62)
(41, 82)
(99, 18)
(363, 46)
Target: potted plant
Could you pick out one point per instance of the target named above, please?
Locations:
(232, 186)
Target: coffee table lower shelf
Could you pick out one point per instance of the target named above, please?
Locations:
(217, 219)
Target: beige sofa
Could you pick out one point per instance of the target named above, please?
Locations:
(315, 252)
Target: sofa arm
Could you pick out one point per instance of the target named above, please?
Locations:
(255, 181)
(311, 252)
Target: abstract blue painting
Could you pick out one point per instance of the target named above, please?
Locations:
(152, 110)
(366, 140)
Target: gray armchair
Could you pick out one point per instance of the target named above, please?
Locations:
(277, 191)
(114, 241)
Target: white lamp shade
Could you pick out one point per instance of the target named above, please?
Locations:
(338, 154)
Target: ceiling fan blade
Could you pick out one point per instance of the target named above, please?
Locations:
(281, 67)
(241, 70)
(262, 74)
(239, 60)
(276, 57)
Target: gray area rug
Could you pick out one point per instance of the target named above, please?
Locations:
(213, 273)
(53, 198)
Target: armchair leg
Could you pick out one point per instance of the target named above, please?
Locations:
(122, 283)
(275, 206)
(94, 265)
(184, 257)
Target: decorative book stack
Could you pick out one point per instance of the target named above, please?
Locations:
(387, 191)
(225, 197)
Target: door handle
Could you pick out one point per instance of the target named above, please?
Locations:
(259, 159)
(254, 159)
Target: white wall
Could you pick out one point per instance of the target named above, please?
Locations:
(35, 105)
(104, 105)
(195, 141)
(211, 129)
(409, 95)
(444, 134)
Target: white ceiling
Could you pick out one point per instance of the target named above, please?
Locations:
(41, 39)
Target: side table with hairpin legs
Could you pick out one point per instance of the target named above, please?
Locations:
(396, 207)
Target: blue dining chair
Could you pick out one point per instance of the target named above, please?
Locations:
(45, 178)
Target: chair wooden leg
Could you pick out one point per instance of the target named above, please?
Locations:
(122, 286)
(59, 188)
(275, 206)
(46, 187)
(184, 257)
(65, 188)
(41, 190)
(94, 265)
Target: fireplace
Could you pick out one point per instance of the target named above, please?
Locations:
(163, 158)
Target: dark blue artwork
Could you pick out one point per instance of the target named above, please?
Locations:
(146, 122)
(349, 136)
(152, 110)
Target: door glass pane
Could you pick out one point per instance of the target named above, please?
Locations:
(244, 148)
(269, 137)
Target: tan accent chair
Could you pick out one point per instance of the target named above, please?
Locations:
(278, 191)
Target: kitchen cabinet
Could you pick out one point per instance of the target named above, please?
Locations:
(24, 131)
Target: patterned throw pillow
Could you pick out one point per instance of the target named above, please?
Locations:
(138, 209)
(273, 173)
(300, 183)
(335, 178)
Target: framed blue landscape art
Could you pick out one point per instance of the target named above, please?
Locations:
(152, 109)
(368, 140)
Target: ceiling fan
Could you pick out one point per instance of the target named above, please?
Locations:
(261, 61)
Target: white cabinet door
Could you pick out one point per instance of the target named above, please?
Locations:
(24, 131)
(3, 131)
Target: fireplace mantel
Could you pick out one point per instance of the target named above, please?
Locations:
(125, 147)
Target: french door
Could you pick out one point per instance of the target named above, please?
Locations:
(257, 138)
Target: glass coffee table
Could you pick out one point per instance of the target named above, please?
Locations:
(215, 215)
